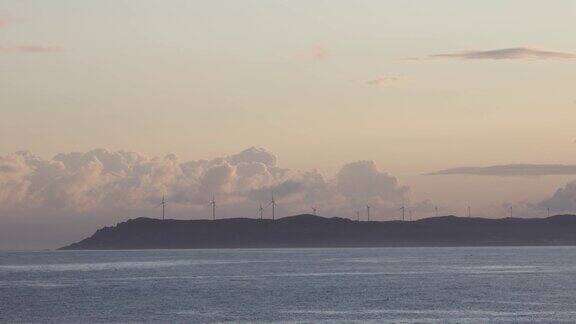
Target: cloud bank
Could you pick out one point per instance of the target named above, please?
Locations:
(511, 170)
(109, 181)
(515, 53)
(563, 200)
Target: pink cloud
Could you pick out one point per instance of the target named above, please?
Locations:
(31, 48)
(6, 20)
(384, 81)
(320, 53)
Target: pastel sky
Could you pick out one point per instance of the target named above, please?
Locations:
(408, 87)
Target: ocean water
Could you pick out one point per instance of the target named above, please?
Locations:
(495, 284)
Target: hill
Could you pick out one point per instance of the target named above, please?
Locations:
(315, 231)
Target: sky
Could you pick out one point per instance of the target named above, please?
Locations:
(108, 105)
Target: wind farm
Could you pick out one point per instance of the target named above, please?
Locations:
(311, 230)
(308, 230)
(272, 205)
(274, 161)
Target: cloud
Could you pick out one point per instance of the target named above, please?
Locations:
(515, 53)
(384, 81)
(30, 48)
(101, 181)
(320, 53)
(563, 200)
(511, 170)
(6, 20)
(252, 155)
(362, 180)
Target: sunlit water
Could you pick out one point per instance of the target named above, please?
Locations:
(291, 285)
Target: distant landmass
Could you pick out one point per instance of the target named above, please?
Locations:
(315, 231)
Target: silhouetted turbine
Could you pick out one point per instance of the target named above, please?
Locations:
(163, 204)
(273, 204)
(213, 204)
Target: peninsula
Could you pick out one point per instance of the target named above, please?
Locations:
(315, 231)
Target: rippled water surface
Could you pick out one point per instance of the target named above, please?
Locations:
(508, 284)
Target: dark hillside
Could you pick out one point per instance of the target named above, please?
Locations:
(315, 231)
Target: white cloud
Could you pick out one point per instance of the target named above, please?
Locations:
(102, 180)
(563, 200)
(253, 155)
(362, 180)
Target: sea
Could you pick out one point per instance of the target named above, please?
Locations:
(336, 285)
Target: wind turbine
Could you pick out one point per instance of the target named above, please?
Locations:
(314, 210)
(548, 210)
(403, 209)
(511, 213)
(368, 211)
(410, 213)
(213, 204)
(436, 209)
(273, 204)
(163, 204)
(261, 211)
(469, 211)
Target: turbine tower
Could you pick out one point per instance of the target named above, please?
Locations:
(548, 210)
(314, 210)
(436, 209)
(403, 209)
(273, 204)
(469, 211)
(261, 211)
(213, 204)
(368, 212)
(163, 204)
